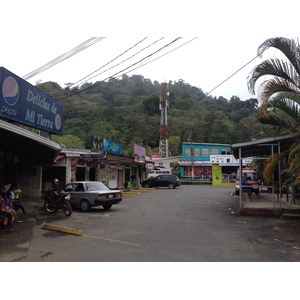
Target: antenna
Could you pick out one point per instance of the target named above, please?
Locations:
(163, 106)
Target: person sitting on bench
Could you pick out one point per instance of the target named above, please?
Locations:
(248, 188)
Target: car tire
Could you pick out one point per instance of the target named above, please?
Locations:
(171, 185)
(107, 206)
(85, 205)
(147, 185)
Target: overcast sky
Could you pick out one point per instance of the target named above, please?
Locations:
(218, 39)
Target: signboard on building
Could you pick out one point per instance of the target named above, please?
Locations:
(139, 154)
(228, 160)
(106, 145)
(23, 103)
(112, 147)
(155, 155)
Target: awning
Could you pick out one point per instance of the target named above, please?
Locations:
(183, 162)
(263, 147)
(28, 147)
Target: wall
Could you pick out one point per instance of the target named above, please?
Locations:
(31, 182)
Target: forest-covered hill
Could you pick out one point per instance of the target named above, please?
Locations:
(127, 111)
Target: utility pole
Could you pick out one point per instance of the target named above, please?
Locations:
(192, 154)
(163, 106)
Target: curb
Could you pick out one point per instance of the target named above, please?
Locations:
(62, 229)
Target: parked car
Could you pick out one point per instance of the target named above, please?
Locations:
(154, 173)
(87, 194)
(170, 181)
(252, 180)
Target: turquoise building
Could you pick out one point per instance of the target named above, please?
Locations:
(198, 158)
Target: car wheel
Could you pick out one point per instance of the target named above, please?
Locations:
(171, 185)
(147, 185)
(85, 205)
(107, 206)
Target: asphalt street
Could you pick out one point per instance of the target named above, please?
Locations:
(187, 224)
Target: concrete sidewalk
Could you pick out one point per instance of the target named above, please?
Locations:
(14, 246)
(269, 204)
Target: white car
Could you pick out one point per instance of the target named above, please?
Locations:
(87, 194)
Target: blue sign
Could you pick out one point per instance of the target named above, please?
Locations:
(111, 147)
(22, 102)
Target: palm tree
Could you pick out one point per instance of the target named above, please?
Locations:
(279, 96)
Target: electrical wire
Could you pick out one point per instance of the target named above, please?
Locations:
(106, 64)
(162, 55)
(63, 57)
(120, 62)
(114, 75)
(206, 94)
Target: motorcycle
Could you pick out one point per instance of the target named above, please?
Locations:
(55, 200)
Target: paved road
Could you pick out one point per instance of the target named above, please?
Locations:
(188, 224)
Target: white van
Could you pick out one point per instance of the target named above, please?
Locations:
(154, 173)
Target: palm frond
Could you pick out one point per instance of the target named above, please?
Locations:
(287, 46)
(271, 165)
(277, 85)
(292, 161)
(273, 120)
(288, 106)
(272, 67)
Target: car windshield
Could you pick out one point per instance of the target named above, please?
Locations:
(95, 186)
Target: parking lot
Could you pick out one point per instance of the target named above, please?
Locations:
(186, 224)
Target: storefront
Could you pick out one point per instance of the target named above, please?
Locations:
(27, 116)
(87, 165)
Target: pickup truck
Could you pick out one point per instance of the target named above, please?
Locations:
(88, 194)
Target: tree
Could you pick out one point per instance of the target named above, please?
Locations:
(175, 145)
(69, 141)
(280, 97)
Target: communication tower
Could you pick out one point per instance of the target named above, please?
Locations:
(163, 106)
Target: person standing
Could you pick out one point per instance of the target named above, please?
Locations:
(133, 179)
(15, 196)
(18, 193)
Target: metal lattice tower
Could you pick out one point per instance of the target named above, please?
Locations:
(163, 106)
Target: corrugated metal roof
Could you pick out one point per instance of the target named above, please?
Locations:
(263, 147)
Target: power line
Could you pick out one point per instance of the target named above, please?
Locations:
(112, 76)
(63, 57)
(234, 73)
(206, 94)
(120, 62)
(162, 55)
(107, 64)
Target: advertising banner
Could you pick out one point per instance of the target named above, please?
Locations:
(112, 147)
(139, 154)
(216, 174)
(155, 155)
(23, 103)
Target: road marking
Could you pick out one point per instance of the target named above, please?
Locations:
(111, 240)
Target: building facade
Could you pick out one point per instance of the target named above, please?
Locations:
(198, 159)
